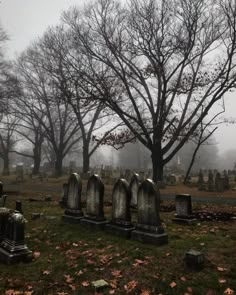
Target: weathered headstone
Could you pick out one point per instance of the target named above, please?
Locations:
(171, 179)
(64, 196)
(134, 185)
(13, 248)
(183, 209)
(94, 206)
(210, 181)
(73, 212)
(149, 228)
(121, 218)
(194, 260)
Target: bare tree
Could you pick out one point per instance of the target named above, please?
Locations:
(168, 62)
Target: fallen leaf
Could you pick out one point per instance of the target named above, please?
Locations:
(145, 292)
(79, 273)
(183, 279)
(36, 254)
(68, 278)
(210, 292)
(229, 291)
(221, 268)
(72, 287)
(112, 291)
(222, 281)
(130, 286)
(46, 272)
(189, 289)
(116, 273)
(85, 284)
(173, 284)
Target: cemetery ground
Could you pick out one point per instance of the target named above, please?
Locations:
(69, 257)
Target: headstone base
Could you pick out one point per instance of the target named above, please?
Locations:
(96, 224)
(72, 216)
(185, 220)
(150, 238)
(12, 252)
(120, 230)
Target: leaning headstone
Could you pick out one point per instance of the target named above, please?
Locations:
(121, 218)
(64, 196)
(134, 185)
(73, 212)
(149, 228)
(210, 182)
(13, 248)
(184, 214)
(219, 182)
(94, 206)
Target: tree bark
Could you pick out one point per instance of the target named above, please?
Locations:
(58, 165)
(6, 170)
(86, 158)
(191, 163)
(37, 160)
(157, 164)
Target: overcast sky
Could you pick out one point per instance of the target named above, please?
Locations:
(24, 20)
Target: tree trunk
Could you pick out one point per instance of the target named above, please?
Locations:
(191, 163)
(157, 164)
(58, 165)
(37, 161)
(86, 158)
(6, 165)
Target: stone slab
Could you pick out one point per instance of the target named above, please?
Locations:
(187, 221)
(11, 253)
(149, 238)
(100, 225)
(119, 230)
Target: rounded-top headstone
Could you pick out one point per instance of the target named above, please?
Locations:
(95, 193)
(148, 203)
(134, 186)
(74, 191)
(121, 196)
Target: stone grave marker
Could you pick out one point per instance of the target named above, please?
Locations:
(121, 218)
(226, 180)
(149, 228)
(64, 196)
(134, 185)
(94, 215)
(13, 248)
(19, 172)
(219, 182)
(183, 210)
(210, 182)
(73, 212)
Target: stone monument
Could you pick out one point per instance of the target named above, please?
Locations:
(134, 185)
(183, 210)
(149, 228)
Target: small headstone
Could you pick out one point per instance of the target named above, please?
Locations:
(121, 218)
(134, 185)
(219, 182)
(12, 248)
(171, 179)
(149, 228)
(194, 260)
(19, 207)
(94, 206)
(210, 182)
(73, 212)
(183, 205)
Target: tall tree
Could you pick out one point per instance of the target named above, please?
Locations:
(168, 63)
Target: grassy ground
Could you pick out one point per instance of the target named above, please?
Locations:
(69, 257)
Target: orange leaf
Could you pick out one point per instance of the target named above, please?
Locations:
(173, 284)
(183, 279)
(112, 291)
(46, 272)
(145, 292)
(189, 289)
(68, 278)
(36, 254)
(116, 273)
(130, 286)
(72, 287)
(222, 281)
(221, 268)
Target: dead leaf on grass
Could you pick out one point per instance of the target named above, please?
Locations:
(68, 278)
(219, 268)
(85, 284)
(229, 291)
(36, 254)
(183, 279)
(46, 272)
(145, 292)
(222, 281)
(130, 286)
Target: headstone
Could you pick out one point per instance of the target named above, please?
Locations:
(226, 180)
(201, 183)
(219, 182)
(149, 228)
(183, 210)
(210, 182)
(194, 260)
(12, 248)
(171, 179)
(73, 212)
(19, 172)
(64, 196)
(94, 206)
(19, 207)
(134, 185)
(121, 218)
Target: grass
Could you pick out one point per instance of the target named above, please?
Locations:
(69, 257)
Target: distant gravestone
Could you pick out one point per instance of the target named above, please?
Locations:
(64, 197)
(226, 180)
(12, 248)
(121, 218)
(149, 228)
(219, 182)
(183, 209)
(201, 183)
(171, 179)
(94, 206)
(210, 182)
(73, 212)
(134, 185)
(19, 172)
